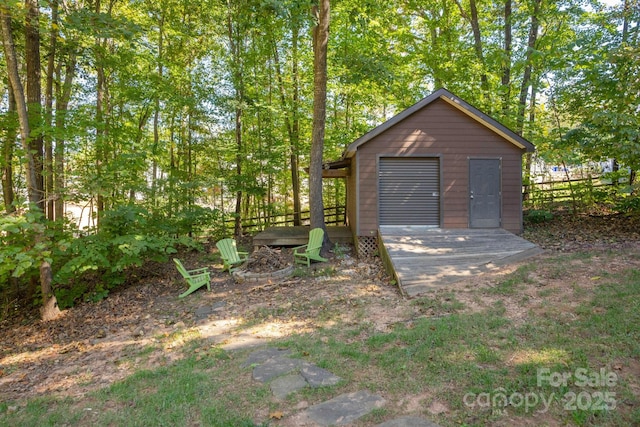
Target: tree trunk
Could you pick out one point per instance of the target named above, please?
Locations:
(528, 157)
(295, 130)
(292, 120)
(48, 105)
(49, 309)
(506, 61)
(156, 114)
(238, 84)
(102, 116)
(320, 42)
(49, 304)
(34, 96)
(63, 96)
(237, 229)
(526, 77)
(477, 41)
(7, 151)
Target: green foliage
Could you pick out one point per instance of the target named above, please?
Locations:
(198, 220)
(628, 205)
(96, 263)
(537, 216)
(92, 265)
(20, 252)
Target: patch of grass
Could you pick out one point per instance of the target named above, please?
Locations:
(199, 390)
(545, 293)
(511, 284)
(613, 315)
(147, 350)
(43, 411)
(438, 304)
(375, 417)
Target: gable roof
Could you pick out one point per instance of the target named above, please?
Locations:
(454, 101)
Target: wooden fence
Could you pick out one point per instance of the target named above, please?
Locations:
(335, 215)
(574, 193)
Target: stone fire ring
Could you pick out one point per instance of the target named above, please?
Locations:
(242, 276)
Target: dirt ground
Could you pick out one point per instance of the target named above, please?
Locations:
(95, 344)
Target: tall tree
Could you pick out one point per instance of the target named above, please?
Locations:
(474, 21)
(10, 126)
(101, 116)
(291, 106)
(34, 95)
(48, 105)
(49, 309)
(320, 47)
(525, 83)
(236, 33)
(506, 59)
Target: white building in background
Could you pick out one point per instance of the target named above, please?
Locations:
(83, 215)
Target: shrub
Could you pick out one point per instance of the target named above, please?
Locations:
(538, 216)
(20, 252)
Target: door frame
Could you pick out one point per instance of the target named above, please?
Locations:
(500, 199)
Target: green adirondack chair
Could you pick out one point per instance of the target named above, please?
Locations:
(195, 278)
(311, 251)
(230, 255)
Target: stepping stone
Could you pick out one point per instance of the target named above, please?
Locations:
(276, 367)
(261, 356)
(283, 386)
(218, 305)
(318, 377)
(343, 409)
(207, 310)
(203, 312)
(408, 422)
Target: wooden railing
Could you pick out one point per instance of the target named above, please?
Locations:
(335, 215)
(552, 194)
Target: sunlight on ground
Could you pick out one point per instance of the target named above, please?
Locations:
(181, 338)
(278, 329)
(50, 352)
(544, 356)
(228, 330)
(218, 328)
(457, 357)
(25, 357)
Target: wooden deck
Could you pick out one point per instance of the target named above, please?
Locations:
(424, 259)
(295, 236)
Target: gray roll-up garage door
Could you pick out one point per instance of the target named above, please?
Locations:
(409, 190)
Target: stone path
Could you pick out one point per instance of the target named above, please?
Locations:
(286, 375)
